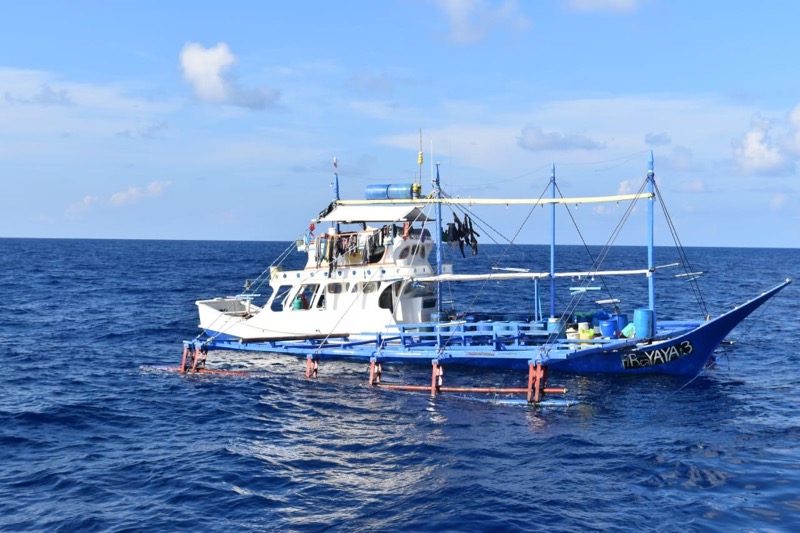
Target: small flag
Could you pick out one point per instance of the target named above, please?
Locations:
(335, 163)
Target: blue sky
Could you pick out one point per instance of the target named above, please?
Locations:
(179, 120)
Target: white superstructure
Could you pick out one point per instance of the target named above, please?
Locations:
(354, 282)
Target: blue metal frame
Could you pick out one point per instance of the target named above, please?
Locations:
(651, 284)
(553, 244)
(439, 255)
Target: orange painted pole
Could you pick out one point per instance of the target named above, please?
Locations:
(403, 387)
(541, 378)
(196, 359)
(530, 382)
(375, 370)
(486, 390)
(183, 359)
(312, 367)
(436, 378)
(536, 380)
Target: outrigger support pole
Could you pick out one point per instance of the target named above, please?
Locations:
(375, 371)
(182, 368)
(537, 378)
(536, 388)
(312, 366)
(194, 358)
(437, 377)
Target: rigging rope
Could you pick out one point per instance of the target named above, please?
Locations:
(682, 254)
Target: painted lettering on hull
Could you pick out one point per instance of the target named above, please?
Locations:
(643, 358)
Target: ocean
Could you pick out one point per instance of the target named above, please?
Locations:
(96, 436)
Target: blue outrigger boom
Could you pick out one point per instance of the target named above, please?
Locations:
(370, 294)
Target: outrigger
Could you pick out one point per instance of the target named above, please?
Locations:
(369, 292)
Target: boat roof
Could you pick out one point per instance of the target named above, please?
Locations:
(375, 213)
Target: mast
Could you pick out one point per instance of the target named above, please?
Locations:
(553, 244)
(437, 191)
(651, 289)
(336, 185)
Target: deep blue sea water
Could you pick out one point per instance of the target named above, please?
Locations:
(93, 438)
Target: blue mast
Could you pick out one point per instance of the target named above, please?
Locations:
(553, 244)
(650, 260)
(439, 256)
(336, 186)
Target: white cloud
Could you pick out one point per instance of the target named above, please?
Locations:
(778, 201)
(157, 188)
(793, 136)
(471, 20)
(371, 82)
(693, 186)
(37, 105)
(657, 139)
(149, 130)
(76, 209)
(45, 96)
(135, 194)
(614, 6)
(757, 153)
(682, 159)
(118, 199)
(204, 67)
(206, 70)
(535, 139)
(629, 186)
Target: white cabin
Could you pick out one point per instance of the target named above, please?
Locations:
(355, 281)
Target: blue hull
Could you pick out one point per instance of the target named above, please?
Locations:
(683, 353)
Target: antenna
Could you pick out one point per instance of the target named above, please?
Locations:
(420, 158)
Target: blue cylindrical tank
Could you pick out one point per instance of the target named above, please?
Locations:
(644, 322)
(598, 317)
(622, 320)
(608, 328)
(399, 191)
(376, 192)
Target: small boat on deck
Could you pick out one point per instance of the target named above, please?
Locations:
(371, 291)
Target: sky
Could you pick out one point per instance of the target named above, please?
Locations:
(212, 120)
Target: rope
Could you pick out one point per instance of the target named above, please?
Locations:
(682, 255)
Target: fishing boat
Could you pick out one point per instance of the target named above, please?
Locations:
(371, 291)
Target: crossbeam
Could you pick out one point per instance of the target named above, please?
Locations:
(503, 201)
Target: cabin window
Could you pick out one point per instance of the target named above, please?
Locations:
(304, 299)
(412, 250)
(334, 288)
(366, 287)
(279, 298)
